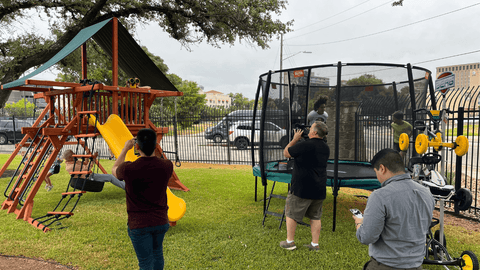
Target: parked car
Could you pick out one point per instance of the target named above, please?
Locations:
(7, 130)
(240, 134)
(219, 132)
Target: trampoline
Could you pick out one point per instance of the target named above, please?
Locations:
(349, 87)
(352, 174)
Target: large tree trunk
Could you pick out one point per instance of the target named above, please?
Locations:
(4, 95)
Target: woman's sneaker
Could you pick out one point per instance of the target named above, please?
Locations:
(287, 246)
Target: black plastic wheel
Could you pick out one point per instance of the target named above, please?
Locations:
(436, 236)
(463, 199)
(470, 260)
(3, 139)
(431, 158)
(241, 143)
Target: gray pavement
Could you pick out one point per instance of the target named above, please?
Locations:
(7, 148)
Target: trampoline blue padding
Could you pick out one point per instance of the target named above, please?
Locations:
(351, 174)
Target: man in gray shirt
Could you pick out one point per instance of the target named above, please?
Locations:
(397, 216)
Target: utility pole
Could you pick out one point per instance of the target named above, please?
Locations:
(281, 66)
(281, 63)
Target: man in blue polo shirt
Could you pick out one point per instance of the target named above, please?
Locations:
(397, 217)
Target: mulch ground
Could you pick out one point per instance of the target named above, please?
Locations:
(22, 263)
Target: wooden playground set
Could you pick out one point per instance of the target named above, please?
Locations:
(78, 110)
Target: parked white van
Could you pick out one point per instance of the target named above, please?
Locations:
(219, 132)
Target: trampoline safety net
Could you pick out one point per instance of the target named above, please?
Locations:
(284, 98)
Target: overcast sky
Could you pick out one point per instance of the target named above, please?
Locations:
(342, 30)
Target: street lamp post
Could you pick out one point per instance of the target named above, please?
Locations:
(281, 62)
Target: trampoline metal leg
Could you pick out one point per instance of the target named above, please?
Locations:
(256, 187)
(268, 204)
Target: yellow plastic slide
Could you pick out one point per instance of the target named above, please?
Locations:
(116, 133)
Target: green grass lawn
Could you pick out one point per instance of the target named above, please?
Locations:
(222, 229)
(468, 130)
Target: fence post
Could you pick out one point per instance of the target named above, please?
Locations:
(14, 130)
(458, 162)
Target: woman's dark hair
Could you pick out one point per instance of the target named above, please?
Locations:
(321, 100)
(147, 140)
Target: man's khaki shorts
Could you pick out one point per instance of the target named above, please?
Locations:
(296, 208)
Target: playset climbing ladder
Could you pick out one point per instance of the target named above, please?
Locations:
(78, 183)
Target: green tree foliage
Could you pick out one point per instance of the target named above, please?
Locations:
(405, 91)
(214, 113)
(377, 98)
(398, 3)
(22, 108)
(364, 87)
(189, 106)
(320, 92)
(188, 21)
(239, 102)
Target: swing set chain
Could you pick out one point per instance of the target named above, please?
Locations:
(177, 159)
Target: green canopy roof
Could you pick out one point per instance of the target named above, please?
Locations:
(131, 57)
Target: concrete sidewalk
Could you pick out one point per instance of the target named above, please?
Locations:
(7, 148)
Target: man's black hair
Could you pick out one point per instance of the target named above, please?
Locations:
(147, 140)
(398, 115)
(389, 158)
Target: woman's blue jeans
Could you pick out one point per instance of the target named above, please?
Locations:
(148, 245)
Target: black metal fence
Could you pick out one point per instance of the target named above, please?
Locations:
(460, 171)
(188, 139)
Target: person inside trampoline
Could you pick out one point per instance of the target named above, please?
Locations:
(71, 165)
(318, 112)
(397, 216)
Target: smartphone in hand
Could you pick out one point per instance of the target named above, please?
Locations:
(135, 150)
(356, 213)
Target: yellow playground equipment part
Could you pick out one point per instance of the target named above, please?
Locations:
(115, 133)
(422, 143)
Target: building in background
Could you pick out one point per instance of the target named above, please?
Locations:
(16, 96)
(466, 75)
(217, 99)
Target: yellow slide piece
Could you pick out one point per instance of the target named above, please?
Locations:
(116, 133)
